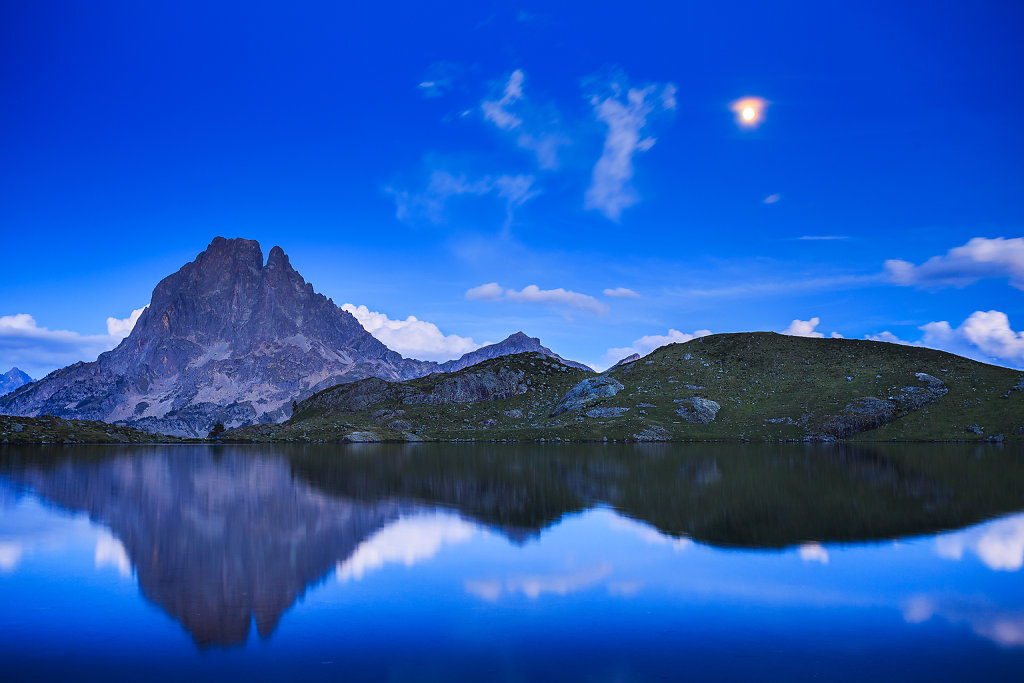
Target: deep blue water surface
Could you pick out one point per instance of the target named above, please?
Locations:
(509, 563)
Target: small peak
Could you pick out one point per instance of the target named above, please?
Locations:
(277, 258)
(520, 337)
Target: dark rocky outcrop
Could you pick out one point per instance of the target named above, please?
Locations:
(870, 412)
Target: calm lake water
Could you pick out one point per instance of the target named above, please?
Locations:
(512, 562)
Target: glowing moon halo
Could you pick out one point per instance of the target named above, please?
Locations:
(749, 111)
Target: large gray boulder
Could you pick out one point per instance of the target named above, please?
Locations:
(697, 410)
(587, 392)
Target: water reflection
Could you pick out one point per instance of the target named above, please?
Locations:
(227, 537)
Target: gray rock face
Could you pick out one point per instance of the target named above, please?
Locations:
(12, 379)
(516, 343)
(627, 360)
(487, 385)
(587, 392)
(697, 410)
(227, 338)
(653, 433)
(606, 412)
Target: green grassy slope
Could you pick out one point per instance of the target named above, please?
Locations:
(768, 386)
(49, 429)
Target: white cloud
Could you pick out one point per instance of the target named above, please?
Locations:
(491, 291)
(110, 552)
(804, 328)
(979, 258)
(412, 337)
(119, 328)
(516, 190)
(39, 350)
(533, 294)
(1002, 626)
(646, 344)
(891, 338)
(984, 335)
(823, 238)
(408, 541)
(771, 199)
(566, 297)
(10, 556)
(621, 292)
(986, 331)
(813, 552)
(998, 544)
(610, 190)
(647, 533)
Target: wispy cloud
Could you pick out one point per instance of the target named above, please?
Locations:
(498, 111)
(622, 293)
(979, 258)
(625, 114)
(430, 204)
(534, 586)
(412, 337)
(773, 287)
(533, 294)
(771, 199)
(491, 291)
(534, 130)
(824, 238)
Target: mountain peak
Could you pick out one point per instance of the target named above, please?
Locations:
(225, 338)
(520, 338)
(12, 379)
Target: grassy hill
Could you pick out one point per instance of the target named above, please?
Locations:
(757, 386)
(50, 429)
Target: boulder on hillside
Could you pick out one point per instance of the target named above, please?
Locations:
(697, 410)
(587, 392)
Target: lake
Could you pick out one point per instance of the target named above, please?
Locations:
(505, 562)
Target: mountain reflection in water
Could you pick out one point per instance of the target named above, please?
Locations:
(220, 537)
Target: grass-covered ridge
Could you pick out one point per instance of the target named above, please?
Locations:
(766, 386)
(50, 429)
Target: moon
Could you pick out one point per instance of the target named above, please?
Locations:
(749, 111)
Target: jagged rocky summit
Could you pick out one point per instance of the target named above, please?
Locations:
(12, 379)
(227, 338)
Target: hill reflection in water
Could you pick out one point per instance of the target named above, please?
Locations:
(222, 537)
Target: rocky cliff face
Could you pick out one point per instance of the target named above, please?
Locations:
(12, 379)
(226, 338)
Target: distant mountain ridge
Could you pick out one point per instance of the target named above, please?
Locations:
(227, 339)
(12, 379)
(515, 343)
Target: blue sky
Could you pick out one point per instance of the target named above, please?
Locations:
(406, 155)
